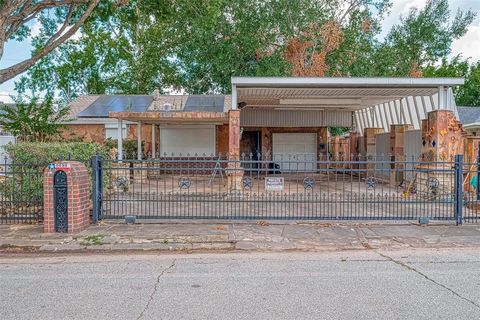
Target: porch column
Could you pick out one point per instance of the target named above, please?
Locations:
(323, 137)
(234, 169)
(120, 140)
(442, 139)
(371, 148)
(441, 97)
(442, 136)
(353, 138)
(397, 150)
(153, 141)
(139, 140)
(371, 140)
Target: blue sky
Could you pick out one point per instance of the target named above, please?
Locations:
(468, 45)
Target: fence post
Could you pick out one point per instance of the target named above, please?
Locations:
(97, 188)
(458, 188)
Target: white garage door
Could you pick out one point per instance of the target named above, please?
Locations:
(295, 151)
(187, 140)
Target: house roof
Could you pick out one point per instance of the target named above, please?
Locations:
(87, 108)
(469, 115)
(80, 104)
(116, 103)
(191, 103)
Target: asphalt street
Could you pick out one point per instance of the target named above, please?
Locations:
(410, 284)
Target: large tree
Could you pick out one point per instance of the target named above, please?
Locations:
(422, 38)
(197, 45)
(275, 38)
(60, 20)
(127, 49)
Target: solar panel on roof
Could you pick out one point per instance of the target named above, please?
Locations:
(205, 103)
(106, 103)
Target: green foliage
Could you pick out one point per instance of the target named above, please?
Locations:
(24, 185)
(469, 93)
(23, 188)
(122, 49)
(337, 131)
(93, 240)
(197, 45)
(44, 153)
(34, 120)
(421, 39)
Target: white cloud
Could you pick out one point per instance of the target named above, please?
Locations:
(5, 97)
(468, 45)
(399, 8)
(35, 29)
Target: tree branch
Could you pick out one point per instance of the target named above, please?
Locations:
(68, 18)
(53, 42)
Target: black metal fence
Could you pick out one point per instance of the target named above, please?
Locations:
(360, 188)
(21, 192)
(209, 187)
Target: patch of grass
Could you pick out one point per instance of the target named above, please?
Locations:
(92, 240)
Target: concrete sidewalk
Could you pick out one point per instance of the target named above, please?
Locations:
(239, 236)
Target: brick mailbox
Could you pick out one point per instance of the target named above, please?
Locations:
(66, 197)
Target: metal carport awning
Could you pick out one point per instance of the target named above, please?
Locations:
(369, 102)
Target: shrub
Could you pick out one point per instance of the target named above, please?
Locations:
(34, 120)
(43, 153)
(23, 181)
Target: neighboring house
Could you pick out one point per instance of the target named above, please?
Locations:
(470, 118)
(279, 118)
(5, 138)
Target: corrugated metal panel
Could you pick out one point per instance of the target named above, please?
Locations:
(293, 118)
(408, 110)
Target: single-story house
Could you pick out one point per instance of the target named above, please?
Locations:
(276, 117)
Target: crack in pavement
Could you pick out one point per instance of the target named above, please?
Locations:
(155, 288)
(411, 268)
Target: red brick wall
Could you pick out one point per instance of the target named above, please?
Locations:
(78, 186)
(84, 132)
(221, 136)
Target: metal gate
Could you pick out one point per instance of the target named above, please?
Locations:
(60, 201)
(362, 188)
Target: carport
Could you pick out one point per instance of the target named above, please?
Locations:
(291, 115)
